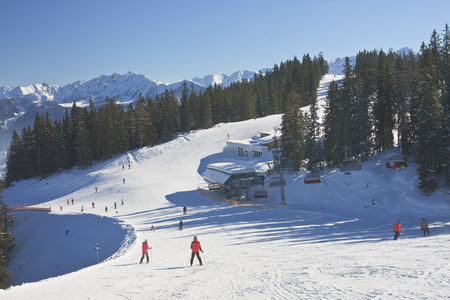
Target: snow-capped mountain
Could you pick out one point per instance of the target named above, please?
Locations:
(19, 105)
(122, 88)
(226, 80)
(337, 65)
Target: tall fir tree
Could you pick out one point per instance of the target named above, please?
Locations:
(313, 141)
(293, 132)
(14, 159)
(332, 125)
(429, 118)
(384, 112)
(185, 110)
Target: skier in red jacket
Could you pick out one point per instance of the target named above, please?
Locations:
(196, 247)
(397, 230)
(145, 248)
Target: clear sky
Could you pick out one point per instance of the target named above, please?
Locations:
(59, 41)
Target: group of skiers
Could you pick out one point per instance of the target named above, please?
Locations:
(196, 247)
(93, 204)
(423, 226)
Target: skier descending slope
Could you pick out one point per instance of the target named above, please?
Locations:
(196, 247)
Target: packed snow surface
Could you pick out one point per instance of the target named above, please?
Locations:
(333, 240)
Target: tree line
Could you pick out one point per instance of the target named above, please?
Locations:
(6, 243)
(382, 94)
(89, 134)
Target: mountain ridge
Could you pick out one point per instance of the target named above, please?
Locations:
(116, 86)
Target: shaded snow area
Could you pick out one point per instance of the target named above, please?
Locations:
(333, 240)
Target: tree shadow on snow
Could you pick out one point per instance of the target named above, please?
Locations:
(294, 226)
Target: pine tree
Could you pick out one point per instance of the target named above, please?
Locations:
(349, 103)
(185, 110)
(384, 111)
(131, 127)
(94, 128)
(429, 117)
(366, 91)
(144, 125)
(332, 125)
(293, 132)
(14, 159)
(205, 113)
(195, 108)
(313, 144)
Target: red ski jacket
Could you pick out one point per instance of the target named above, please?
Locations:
(398, 227)
(195, 246)
(145, 247)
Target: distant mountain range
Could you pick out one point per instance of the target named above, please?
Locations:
(19, 105)
(122, 88)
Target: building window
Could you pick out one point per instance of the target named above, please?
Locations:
(240, 151)
(257, 153)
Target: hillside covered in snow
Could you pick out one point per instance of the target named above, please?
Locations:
(332, 240)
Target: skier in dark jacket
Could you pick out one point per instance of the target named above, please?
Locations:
(424, 227)
(196, 247)
(180, 226)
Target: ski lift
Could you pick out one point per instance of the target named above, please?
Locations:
(397, 160)
(276, 181)
(312, 178)
(260, 194)
(350, 164)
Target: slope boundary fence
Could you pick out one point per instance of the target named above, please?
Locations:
(23, 207)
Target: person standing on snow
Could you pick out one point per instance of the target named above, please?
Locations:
(145, 248)
(196, 247)
(180, 227)
(184, 210)
(424, 227)
(397, 230)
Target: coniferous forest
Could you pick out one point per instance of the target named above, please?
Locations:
(382, 94)
(387, 93)
(6, 243)
(89, 134)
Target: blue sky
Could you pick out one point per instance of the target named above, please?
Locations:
(59, 42)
